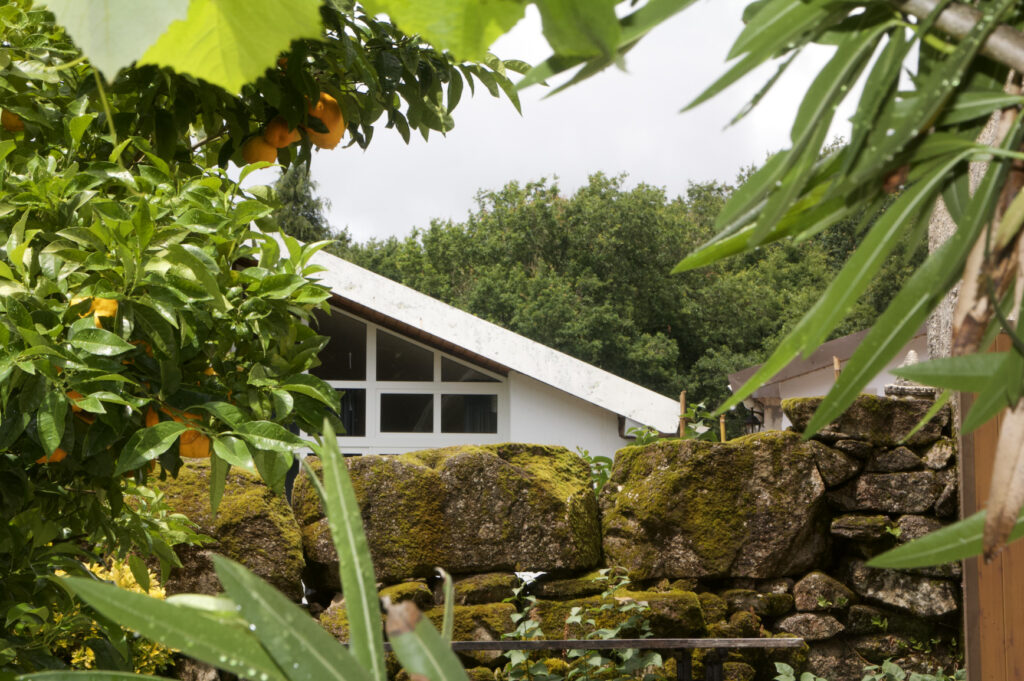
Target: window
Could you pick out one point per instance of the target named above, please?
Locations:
(469, 413)
(344, 358)
(400, 360)
(454, 372)
(353, 412)
(404, 413)
(399, 395)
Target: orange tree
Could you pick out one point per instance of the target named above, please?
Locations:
(147, 312)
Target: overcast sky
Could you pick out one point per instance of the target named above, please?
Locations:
(615, 122)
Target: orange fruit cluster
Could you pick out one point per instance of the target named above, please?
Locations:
(277, 135)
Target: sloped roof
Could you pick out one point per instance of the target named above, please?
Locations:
(428, 319)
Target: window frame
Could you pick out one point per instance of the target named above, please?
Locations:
(377, 442)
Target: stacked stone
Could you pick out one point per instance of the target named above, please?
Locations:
(763, 536)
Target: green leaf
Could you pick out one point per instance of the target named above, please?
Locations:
(147, 444)
(191, 631)
(580, 28)
(970, 373)
(419, 647)
(139, 571)
(87, 675)
(101, 342)
(311, 386)
(225, 411)
(232, 42)
(114, 33)
(940, 402)
(996, 394)
(466, 28)
(269, 435)
(233, 450)
(273, 468)
(50, 420)
(294, 639)
(951, 543)
(448, 623)
(355, 565)
(193, 258)
(218, 478)
(77, 127)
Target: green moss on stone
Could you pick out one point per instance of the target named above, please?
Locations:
(714, 608)
(480, 674)
(491, 587)
(416, 591)
(589, 584)
(737, 671)
(488, 622)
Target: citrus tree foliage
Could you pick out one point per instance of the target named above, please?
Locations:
(586, 273)
(147, 315)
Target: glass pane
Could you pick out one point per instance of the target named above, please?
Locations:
(353, 412)
(453, 372)
(406, 413)
(344, 358)
(400, 360)
(469, 413)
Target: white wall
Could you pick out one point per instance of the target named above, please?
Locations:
(816, 383)
(540, 414)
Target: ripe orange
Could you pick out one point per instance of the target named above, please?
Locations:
(194, 445)
(329, 113)
(277, 133)
(58, 455)
(100, 307)
(74, 395)
(256, 149)
(152, 418)
(11, 122)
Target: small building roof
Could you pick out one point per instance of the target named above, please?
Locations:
(462, 334)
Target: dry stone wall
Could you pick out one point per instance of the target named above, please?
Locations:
(763, 536)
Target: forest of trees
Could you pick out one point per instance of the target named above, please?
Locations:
(589, 274)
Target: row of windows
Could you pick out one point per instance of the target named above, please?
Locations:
(344, 358)
(414, 413)
(411, 389)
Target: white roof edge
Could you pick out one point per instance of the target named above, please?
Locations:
(518, 353)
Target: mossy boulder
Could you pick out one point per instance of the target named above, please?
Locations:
(491, 587)
(416, 591)
(918, 595)
(510, 507)
(488, 622)
(912, 492)
(761, 604)
(589, 584)
(819, 592)
(713, 606)
(253, 526)
(883, 421)
(671, 614)
(752, 507)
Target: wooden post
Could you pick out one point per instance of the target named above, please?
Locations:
(682, 414)
(836, 366)
(721, 427)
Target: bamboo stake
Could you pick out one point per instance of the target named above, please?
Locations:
(682, 414)
(836, 367)
(721, 427)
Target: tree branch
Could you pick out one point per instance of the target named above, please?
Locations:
(1005, 44)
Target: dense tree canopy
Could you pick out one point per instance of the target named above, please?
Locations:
(589, 274)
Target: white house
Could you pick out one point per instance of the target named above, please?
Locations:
(815, 376)
(417, 373)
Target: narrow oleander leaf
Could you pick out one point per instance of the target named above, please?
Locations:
(448, 589)
(87, 675)
(193, 632)
(970, 373)
(420, 649)
(995, 396)
(345, 521)
(296, 642)
(940, 402)
(962, 539)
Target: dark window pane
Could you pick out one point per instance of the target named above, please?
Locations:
(453, 372)
(469, 413)
(344, 358)
(353, 412)
(406, 413)
(399, 360)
